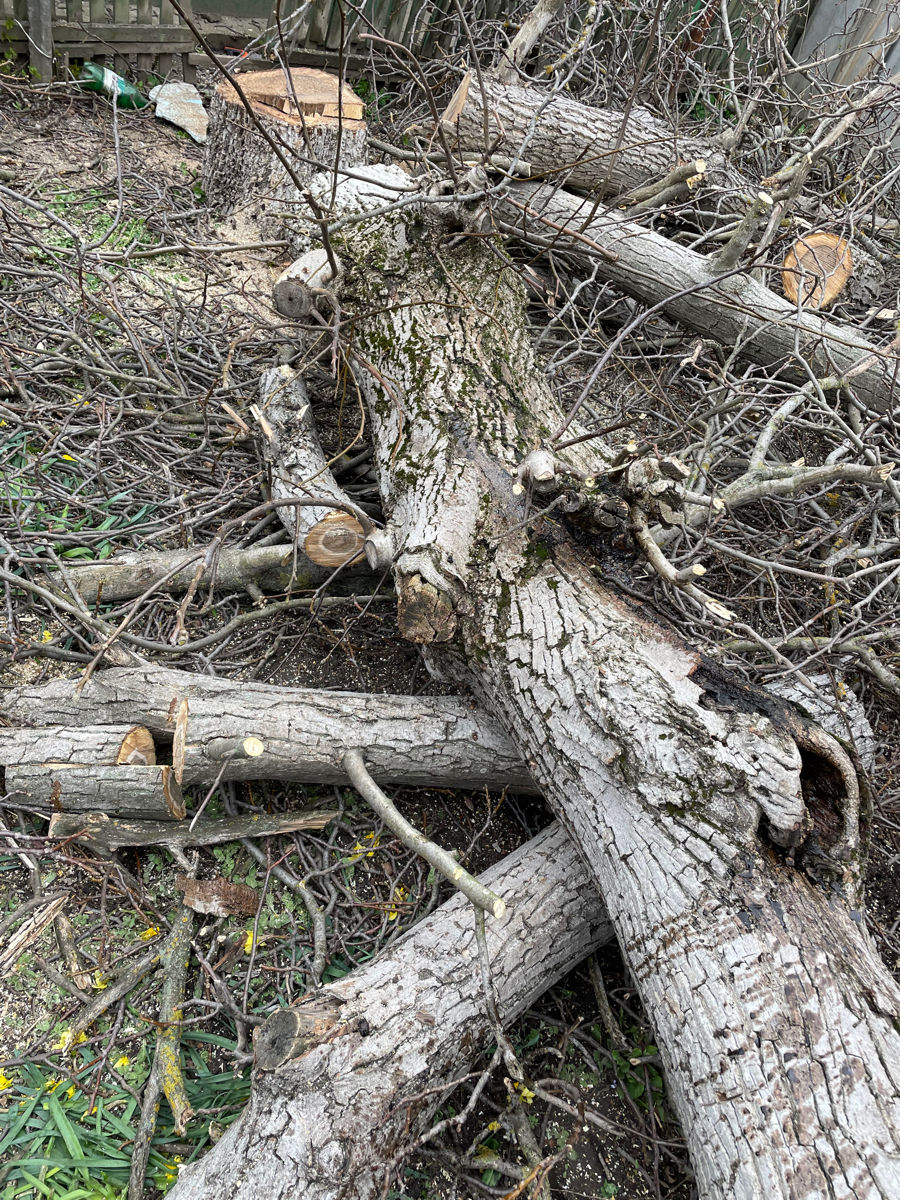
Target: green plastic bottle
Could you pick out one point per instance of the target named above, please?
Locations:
(100, 79)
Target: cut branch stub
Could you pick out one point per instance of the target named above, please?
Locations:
(816, 269)
(309, 277)
(290, 1033)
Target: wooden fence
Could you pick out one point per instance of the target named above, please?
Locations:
(852, 34)
(149, 30)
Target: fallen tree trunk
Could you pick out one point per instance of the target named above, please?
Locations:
(427, 741)
(776, 1020)
(592, 149)
(719, 301)
(344, 1096)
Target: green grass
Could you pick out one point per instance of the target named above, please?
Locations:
(54, 1144)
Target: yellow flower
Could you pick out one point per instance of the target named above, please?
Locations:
(248, 941)
(121, 1062)
(66, 1040)
(493, 1126)
(369, 851)
(5, 1082)
(68, 458)
(151, 932)
(46, 636)
(71, 1091)
(400, 894)
(52, 1084)
(99, 983)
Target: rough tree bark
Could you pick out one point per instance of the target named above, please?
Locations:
(775, 1017)
(595, 150)
(254, 568)
(424, 741)
(715, 299)
(328, 1123)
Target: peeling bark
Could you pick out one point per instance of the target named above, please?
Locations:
(328, 1123)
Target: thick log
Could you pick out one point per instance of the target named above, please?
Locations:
(427, 741)
(592, 149)
(242, 169)
(357, 1058)
(776, 1020)
(729, 306)
(119, 791)
(268, 568)
(107, 767)
(68, 747)
(328, 536)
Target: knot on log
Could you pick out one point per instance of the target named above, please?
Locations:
(293, 1032)
(657, 486)
(424, 613)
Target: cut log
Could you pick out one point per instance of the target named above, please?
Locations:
(730, 307)
(328, 536)
(816, 269)
(106, 767)
(426, 741)
(593, 149)
(776, 1021)
(315, 122)
(269, 568)
(296, 291)
(118, 791)
(341, 1107)
(73, 747)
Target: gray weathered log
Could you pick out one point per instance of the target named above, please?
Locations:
(428, 741)
(288, 439)
(119, 791)
(57, 745)
(776, 1020)
(734, 310)
(327, 1124)
(592, 149)
(128, 575)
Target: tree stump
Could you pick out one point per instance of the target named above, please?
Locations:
(316, 124)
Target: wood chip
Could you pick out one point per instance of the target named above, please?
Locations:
(218, 896)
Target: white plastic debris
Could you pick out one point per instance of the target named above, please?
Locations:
(181, 105)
